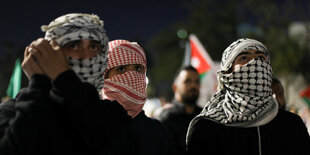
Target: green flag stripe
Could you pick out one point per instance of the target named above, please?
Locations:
(307, 100)
(202, 75)
(15, 81)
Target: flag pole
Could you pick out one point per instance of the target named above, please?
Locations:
(187, 55)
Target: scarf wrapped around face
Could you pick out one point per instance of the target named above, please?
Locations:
(129, 89)
(77, 26)
(245, 95)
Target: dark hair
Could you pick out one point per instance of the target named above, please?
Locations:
(275, 81)
(184, 68)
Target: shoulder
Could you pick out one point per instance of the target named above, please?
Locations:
(114, 110)
(149, 127)
(8, 107)
(294, 128)
(288, 117)
(7, 111)
(200, 126)
(112, 105)
(169, 110)
(204, 123)
(288, 121)
(149, 122)
(201, 131)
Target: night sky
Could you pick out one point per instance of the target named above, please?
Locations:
(20, 21)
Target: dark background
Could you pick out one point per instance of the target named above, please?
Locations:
(123, 19)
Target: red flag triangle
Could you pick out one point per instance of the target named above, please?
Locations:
(199, 56)
(305, 92)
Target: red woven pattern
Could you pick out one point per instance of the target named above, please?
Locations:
(123, 52)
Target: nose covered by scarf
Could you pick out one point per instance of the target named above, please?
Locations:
(129, 89)
(77, 26)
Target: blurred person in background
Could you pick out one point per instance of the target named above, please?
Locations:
(60, 112)
(125, 82)
(243, 117)
(177, 116)
(278, 92)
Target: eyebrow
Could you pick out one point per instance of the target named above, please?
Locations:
(243, 53)
(94, 41)
(76, 41)
(247, 53)
(259, 52)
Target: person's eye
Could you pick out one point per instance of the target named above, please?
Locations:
(121, 69)
(138, 68)
(72, 46)
(95, 47)
(243, 58)
(262, 57)
(187, 81)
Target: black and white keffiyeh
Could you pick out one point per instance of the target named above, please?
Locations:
(77, 26)
(245, 97)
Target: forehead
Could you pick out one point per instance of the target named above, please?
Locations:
(237, 47)
(81, 42)
(125, 53)
(187, 74)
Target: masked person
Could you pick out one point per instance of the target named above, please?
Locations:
(125, 82)
(243, 117)
(61, 111)
(184, 108)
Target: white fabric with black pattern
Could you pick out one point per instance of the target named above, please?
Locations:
(241, 45)
(245, 96)
(247, 99)
(76, 26)
(90, 70)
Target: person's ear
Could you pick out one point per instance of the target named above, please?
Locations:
(174, 87)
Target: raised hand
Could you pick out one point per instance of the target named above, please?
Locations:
(29, 64)
(49, 57)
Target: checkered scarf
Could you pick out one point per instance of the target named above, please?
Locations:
(76, 26)
(245, 97)
(129, 89)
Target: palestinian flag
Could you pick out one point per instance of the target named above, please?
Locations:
(305, 95)
(200, 58)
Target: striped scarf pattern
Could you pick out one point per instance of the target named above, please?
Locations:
(129, 88)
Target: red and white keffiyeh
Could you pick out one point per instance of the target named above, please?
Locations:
(129, 89)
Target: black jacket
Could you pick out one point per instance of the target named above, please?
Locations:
(177, 120)
(34, 123)
(286, 134)
(152, 135)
